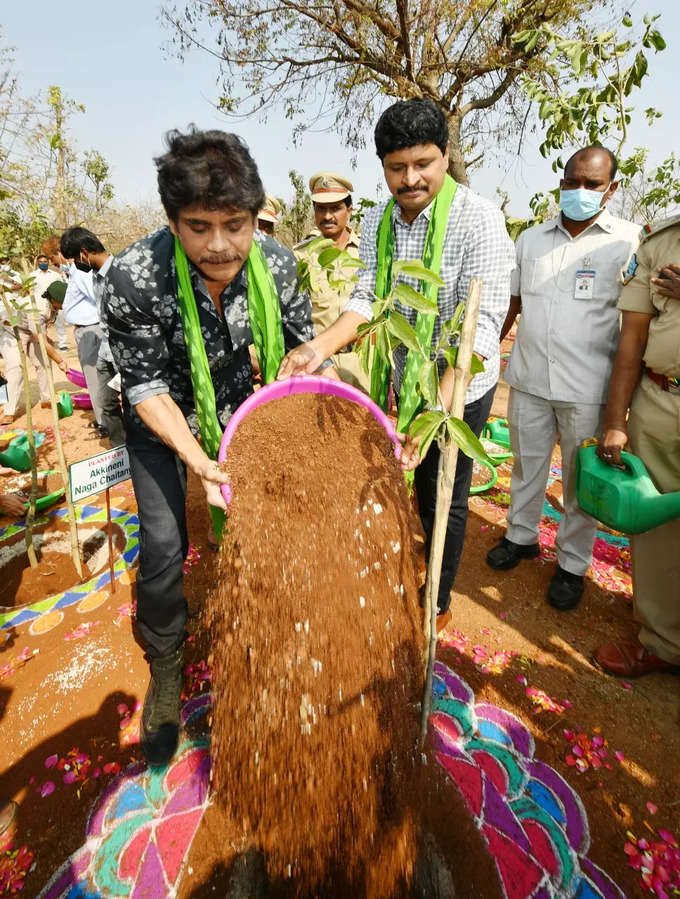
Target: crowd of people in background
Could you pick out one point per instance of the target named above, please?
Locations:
(574, 373)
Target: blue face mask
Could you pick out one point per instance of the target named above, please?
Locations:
(43, 266)
(581, 204)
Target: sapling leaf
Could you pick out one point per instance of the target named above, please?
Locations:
(413, 268)
(403, 331)
(317, 244)
(347, 261)
(365, 354)
(476, 365)
(451, 356)
(382, 344)
(378, 307)
(428, 382)
(328, 256)
(459, 431)
(425, 428)
(413, 299)
(362, 329)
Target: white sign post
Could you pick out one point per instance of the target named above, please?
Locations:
(96, 474)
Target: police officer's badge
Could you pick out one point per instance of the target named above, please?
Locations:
(632, 268)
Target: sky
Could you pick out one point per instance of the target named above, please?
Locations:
(134, 91)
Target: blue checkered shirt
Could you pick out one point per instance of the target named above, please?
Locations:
(476, 245)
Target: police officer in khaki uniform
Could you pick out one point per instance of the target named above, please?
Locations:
(268, 216)
(646, 381)
(332, 199)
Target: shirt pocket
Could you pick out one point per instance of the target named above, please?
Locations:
(537, 275)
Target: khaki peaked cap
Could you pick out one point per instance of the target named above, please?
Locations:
(328, 187)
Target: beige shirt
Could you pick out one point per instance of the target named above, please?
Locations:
(567, 336)
(328, 301)
(657, 250)
(42, 282)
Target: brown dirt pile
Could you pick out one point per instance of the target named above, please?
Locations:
(316, 650)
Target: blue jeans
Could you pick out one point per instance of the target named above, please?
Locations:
(160, 483)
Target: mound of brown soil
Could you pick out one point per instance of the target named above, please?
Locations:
(20, 584)
(317, 651)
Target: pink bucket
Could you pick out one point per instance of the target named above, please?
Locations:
(76, 377)
(81, 400)
(302, 384)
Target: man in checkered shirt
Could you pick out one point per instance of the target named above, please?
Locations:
(412, 143)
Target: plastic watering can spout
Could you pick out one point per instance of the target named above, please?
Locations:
(624, 499)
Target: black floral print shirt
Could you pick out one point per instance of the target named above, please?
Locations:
(147, 339)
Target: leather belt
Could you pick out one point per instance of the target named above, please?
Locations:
(671, 385)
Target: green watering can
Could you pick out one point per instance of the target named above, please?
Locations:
(17, 455)
(65, 404)
(625, 499)
(498, 431)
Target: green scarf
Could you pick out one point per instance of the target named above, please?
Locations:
(264, 312)
(410, 402)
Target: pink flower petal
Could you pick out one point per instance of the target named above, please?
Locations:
(51, 760)
(70, 777)
(47, 789)
(652, 808)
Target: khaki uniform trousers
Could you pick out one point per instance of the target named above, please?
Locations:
(13, 371)
(654, 433)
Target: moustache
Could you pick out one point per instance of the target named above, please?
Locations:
(328, 222)
(219, 260)
(408, 190)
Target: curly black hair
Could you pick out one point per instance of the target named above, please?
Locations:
(211, 168)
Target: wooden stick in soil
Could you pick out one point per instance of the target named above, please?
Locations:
(30, 514)
(448, 461)
(63, 468)
(109, 536)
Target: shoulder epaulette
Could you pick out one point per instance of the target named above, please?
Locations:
(652, 230)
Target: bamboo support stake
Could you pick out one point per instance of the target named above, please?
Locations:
(448, 461)
(30, 514)
(63, 468)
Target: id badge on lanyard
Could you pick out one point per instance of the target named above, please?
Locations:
(584, 286)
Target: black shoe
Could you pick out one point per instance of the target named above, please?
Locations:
(506, 554)
(161, 715)
(565, 590)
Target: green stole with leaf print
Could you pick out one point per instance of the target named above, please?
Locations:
(410, 401)
(264, 313)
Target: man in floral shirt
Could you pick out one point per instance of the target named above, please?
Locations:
(211, 191)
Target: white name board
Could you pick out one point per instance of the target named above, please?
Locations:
(93, 475)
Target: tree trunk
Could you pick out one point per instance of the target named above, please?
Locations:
(457, 165)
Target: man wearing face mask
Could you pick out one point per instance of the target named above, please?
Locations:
(82, 311)
(43, 276)
(566, 285)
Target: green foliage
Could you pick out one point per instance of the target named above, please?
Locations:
(389, 329)
(645, 194)
(359, 211)
(297, 218)
(482, 61)
(611, 68)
